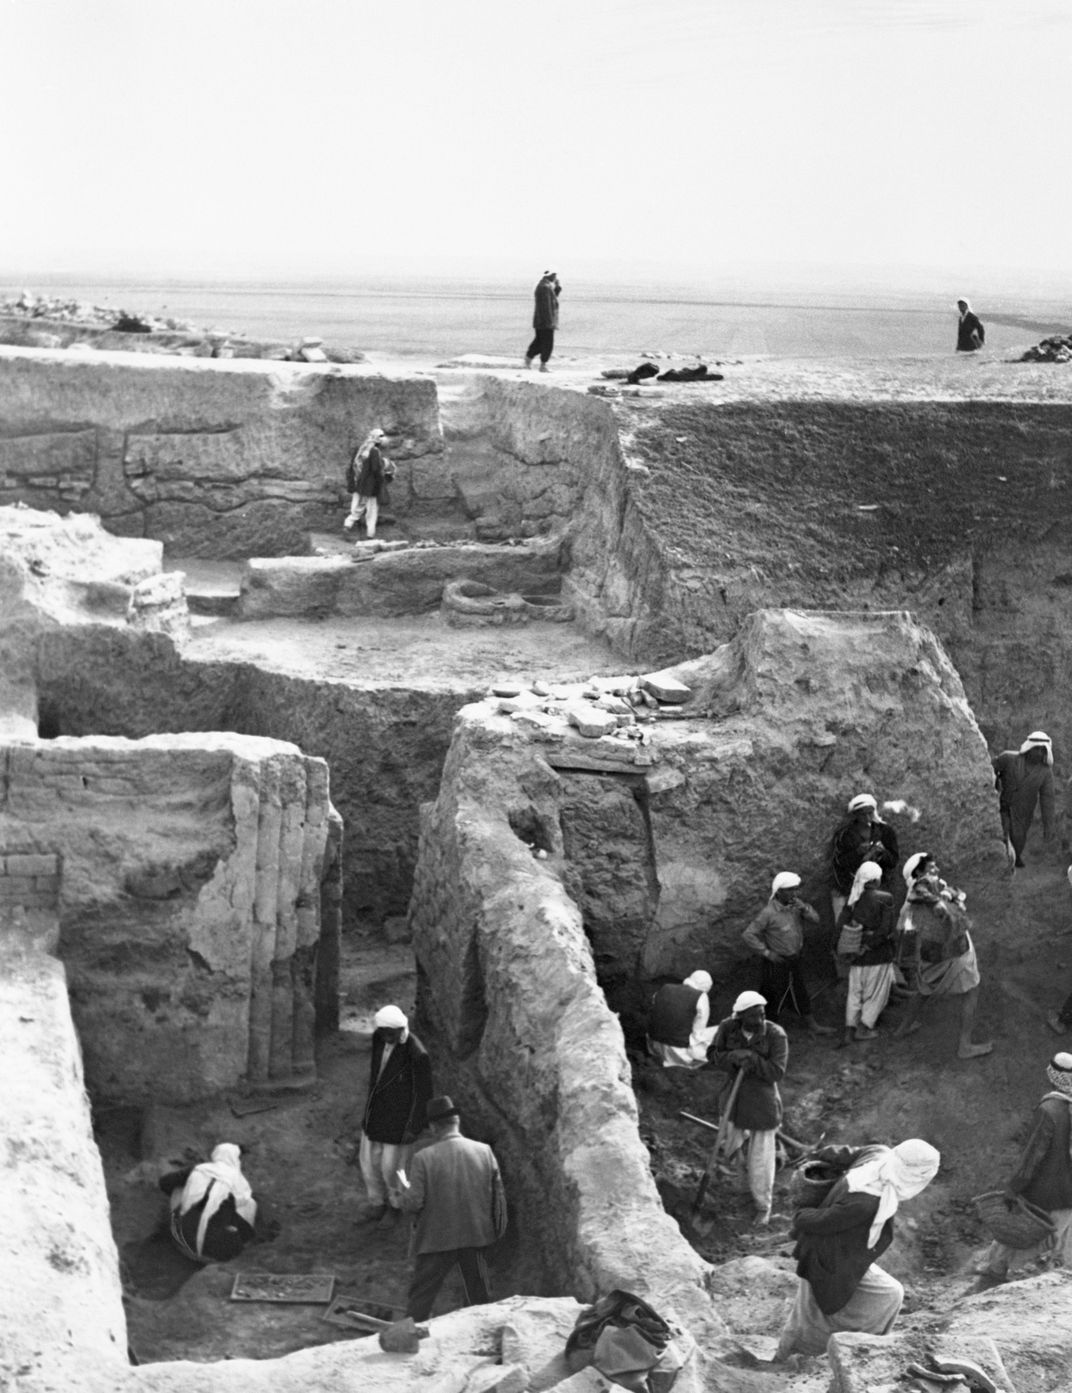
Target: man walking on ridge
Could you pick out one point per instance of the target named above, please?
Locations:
(544, 320)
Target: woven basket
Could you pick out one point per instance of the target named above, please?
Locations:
(812, 1182)
(849, 940)
(1016, 1223)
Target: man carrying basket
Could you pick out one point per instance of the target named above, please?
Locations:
(1043, 1179)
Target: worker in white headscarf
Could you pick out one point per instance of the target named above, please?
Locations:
(841, 1286)
(1024, 778)
(400, 1085)
(749, 1046)
(937, 950)
(970, 332)
(212, 1207)
(861, 836)
(678, 1030)
(1043, 1176)
(776, 934)
(870, 910)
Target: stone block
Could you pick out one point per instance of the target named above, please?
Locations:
(586, 1381)
(664, 688)
(867, 1363)
(32, 865)
(589, 720)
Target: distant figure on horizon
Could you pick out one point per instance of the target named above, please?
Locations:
(544, 320)
(970, 332)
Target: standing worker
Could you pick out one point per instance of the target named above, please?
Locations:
(365, 479)
(1023, 778)
(1044, 1175)
(400, 1084)
(457, 1195)
(970, 332)
(544, 320)
(861, 836)
(749, 1045)
(777, 935)
(869, 910)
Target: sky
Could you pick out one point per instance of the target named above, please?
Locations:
(834, 138)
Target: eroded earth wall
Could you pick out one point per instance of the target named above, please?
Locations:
(189, 903)
(214, 458)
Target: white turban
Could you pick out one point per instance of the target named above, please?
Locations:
(1038, 739)
(784, 880)
(746, 1001)
(894, 1176)
(869, 872)
(390, 1018)
(863, 800)
(700, 980)
(910, 865)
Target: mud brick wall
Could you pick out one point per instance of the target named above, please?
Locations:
(215, 458)
(29, 880)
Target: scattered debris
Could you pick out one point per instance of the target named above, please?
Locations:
(1056, 349)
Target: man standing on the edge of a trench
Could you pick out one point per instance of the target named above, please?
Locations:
(400, 1085)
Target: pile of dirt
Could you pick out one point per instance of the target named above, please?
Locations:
(1056, 349)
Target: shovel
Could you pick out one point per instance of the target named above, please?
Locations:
(720, 1141)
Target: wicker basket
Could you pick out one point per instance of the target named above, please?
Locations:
(850, 940)
(812, 1182)
(1016, 1223)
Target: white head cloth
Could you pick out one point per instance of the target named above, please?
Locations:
(1059, 1073)
(863, 800)
(784, 880)
(217, 1178)
(700, 980)
(966, 304)
(909, 871)
(869, 872)
(390, 1018)
(1038, 739)
(894, 1176)
(746, 1001)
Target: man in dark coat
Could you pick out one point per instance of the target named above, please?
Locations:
(1024, 778)
(457, 1195)
(1044, 1175)
(970, 332)
(544, 319)
(749, 1045)
(861, 836)
(400, 1085)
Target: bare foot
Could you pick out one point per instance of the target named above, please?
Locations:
(862, 1033)
(907, 1029)
(974, 1051)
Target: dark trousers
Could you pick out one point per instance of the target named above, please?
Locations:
(431, 1272)
(1064, 1015)
(781, 977)
(542, 345)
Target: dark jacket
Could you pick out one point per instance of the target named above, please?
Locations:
(226, 1233)
(545, 312)
(968, 325)
(873, 911)
(759, 1104)
(847, 847)
(673, 1010)
(1044, 1175)
(397, 1098)
(1020, 787)
(370, 476)
(831, 1251)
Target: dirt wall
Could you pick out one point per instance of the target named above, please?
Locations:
(212, 458)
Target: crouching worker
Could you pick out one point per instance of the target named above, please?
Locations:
(840, 1285)
(212, 1207)
(776, 934)
(749, 1046)
(678, 1033)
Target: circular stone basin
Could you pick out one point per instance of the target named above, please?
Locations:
(549, 608)
(469, 602)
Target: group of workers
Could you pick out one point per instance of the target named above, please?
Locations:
(922, 952)
(452, 1185)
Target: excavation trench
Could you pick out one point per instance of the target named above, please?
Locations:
(644, 860)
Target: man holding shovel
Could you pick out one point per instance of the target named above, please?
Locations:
(754, 1053)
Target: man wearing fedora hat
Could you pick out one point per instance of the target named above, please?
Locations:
(456, 1192)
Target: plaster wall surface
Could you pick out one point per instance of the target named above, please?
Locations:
(214, 458)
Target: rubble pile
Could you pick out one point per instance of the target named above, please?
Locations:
(1056, 349)
(55, 307)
